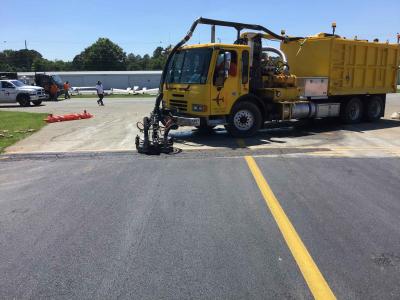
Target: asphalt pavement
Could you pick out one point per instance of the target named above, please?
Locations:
(121, 225)
(113, 128)
(299, 211)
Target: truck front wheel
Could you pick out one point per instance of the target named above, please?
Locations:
(352, 111)
(23, 100)
(245, 120)
(374, 109)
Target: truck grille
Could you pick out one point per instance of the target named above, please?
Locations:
(181, 105)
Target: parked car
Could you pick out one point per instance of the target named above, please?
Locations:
(15, 91)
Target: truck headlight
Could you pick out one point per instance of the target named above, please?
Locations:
(199, 107)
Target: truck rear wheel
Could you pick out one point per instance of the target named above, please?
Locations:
(352, 111)
(23, 100)
(245, 120)
(374, 109)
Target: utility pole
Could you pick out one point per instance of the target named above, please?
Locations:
(27, 60)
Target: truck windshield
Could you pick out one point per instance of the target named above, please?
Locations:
(57, 79)
(189, 66)
(17, 83)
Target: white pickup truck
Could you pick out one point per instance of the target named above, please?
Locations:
(15, 91)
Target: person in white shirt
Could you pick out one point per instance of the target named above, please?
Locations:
(100, 93)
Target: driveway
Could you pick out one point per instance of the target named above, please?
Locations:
(113, 128)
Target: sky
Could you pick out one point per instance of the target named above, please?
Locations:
(62, 29)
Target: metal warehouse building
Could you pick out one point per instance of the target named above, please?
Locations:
(110, 79)
(114, 79)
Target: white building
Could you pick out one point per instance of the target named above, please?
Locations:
(110, 79)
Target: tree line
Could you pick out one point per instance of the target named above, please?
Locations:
(103, 55)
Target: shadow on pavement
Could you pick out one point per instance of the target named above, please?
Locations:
(273, 132)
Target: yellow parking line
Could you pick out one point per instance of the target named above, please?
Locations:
(315, 280)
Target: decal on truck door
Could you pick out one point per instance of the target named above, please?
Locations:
(218, 99)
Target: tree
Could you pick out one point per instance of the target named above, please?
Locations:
(159, 58)
(77, 62)
(133, 62)
(20, 60)
(145, 63)
(40, 65)
(60, 65)
(157, 63)
(4, 66)
(158, 52)
(103, 55)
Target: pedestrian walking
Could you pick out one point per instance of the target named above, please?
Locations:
(100, 93)
(67, 86)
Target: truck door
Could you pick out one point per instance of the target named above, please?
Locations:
(8, 92)
(225, 84)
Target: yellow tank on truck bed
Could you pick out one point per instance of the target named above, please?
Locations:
(353, 67)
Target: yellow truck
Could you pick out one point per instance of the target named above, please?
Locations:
(247, 83)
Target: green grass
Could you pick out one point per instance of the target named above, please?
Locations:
(110, 96)
(15, 126)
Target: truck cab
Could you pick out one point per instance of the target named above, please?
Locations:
(14, 91)
(206, 80)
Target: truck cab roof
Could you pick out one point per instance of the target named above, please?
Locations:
(216, 45)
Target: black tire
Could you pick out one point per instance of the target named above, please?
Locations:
(37, 102)
(24, 101)
(245, 120)
(374, 109)
(352, 111)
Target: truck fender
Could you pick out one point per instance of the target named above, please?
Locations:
(255, 100)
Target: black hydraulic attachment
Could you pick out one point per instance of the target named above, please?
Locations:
(155, 136)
